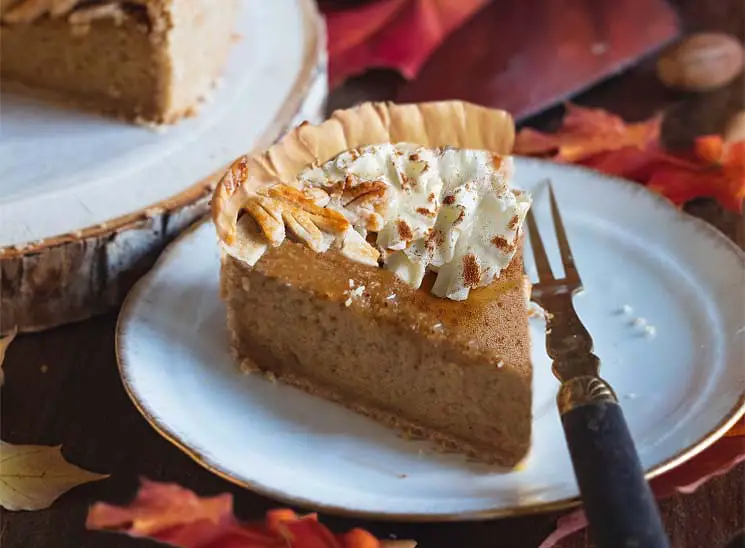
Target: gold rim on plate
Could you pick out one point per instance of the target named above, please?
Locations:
(735, 414)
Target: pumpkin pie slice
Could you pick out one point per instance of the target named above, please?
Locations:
(375, 260)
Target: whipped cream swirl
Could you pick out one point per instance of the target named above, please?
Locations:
(448, 210)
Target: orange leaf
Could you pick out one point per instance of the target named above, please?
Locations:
(710, 148)
(307, 532)
(161, 506)
(718, 172)
(602, 141)
(733, 163)
(359, 538)
(174, 515)
(398, 34)
(274, 518)
(586, 132)
(709, 172)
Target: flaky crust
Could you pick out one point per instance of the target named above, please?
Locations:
(436, 124)
(28, 11)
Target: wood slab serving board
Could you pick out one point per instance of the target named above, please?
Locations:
(87, 202)
(527, 55)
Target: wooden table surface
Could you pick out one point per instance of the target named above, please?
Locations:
(62, 386)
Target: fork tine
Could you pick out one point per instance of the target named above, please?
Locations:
(570, 270)
(539, 252)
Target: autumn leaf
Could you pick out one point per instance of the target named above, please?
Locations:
(630, 163)
(738, 429)
(161, 506)
(585, 132)
(397, 34)
(717, 170)
(172, 514)
(714, 461)
(711, 170)
(565, 526)
(4, 344)
(33, 476)
(594, 138)
(719, 459)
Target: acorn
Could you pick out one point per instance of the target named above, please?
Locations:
(701, 62)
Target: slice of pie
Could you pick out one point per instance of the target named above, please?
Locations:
(150, 61)
(376, 260)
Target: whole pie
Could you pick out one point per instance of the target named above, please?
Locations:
(151, 61)
(375, 260)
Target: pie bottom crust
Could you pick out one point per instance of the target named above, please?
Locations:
(408, 429)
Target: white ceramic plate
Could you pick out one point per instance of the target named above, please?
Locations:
(679, 389)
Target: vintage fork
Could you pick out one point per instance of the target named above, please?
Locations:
(618, 502)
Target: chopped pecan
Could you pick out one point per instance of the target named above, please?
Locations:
(85, 16)
(28, 11)
(366, 193)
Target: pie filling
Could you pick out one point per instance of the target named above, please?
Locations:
(406, 208)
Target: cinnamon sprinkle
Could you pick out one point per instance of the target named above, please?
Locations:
(404, 231)
(435, 238)
(471, 271)
(501, 243)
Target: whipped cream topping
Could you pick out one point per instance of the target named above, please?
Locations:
(448, 210)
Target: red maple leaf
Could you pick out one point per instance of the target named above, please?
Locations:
(630, 163)
(172, 514)
(398, 34)
(604, 142)
(716, 170)
(585, 132)
(738, 429)
(713, 169)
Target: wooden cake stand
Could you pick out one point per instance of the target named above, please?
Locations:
(87, 202)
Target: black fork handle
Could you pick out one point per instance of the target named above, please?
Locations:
(618, 503)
